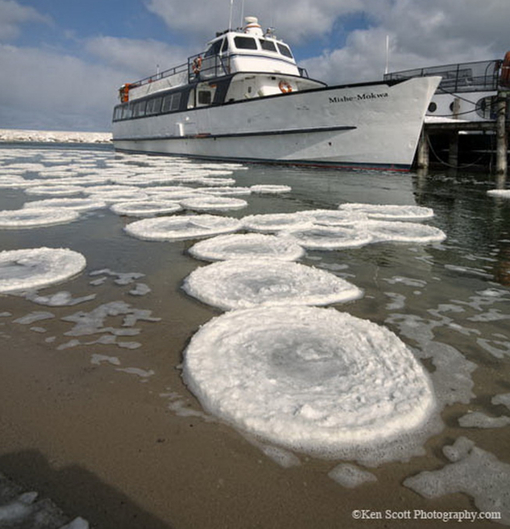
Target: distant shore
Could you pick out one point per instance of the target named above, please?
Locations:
(53, 136)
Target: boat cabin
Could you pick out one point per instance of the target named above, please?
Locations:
(237, 65)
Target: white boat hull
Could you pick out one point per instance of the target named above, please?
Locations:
(372, 125)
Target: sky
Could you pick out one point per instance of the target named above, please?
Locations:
(62, 61)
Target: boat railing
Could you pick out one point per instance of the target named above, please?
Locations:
(198, 67)
(202, 67)
(480, 76)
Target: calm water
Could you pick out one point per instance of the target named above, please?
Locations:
(449, 302)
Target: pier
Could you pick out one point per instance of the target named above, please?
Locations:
(467, 122)
(455, 144)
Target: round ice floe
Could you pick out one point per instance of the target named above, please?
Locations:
(274, 222)
(388, 212)
(182, 227)
(270, 189)
(249, 245)
(225, 191)
(236, 284)
(330, 238)
(39, 267)
(145, 208)
(36, 217)
(391, 231)
(78, 204)
(111, 197)
(213, 203)
(334, 217)
(55, 190)
(311, 379)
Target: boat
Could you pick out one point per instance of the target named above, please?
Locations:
(245, 99)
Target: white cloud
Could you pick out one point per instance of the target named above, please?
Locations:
(142, 57)
(420, 34)
(41, 89)
(294, 19)
(13, 14)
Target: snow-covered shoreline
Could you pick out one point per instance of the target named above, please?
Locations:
(53, 136)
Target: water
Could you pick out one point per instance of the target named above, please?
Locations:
(449, 302)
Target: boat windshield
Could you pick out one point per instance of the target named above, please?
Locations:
(245, 43)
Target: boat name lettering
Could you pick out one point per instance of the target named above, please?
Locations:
(358, 97)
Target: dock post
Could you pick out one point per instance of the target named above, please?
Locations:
(453, 150)
(501, 134)
(422, 161)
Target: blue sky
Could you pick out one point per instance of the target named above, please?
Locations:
(63, 60)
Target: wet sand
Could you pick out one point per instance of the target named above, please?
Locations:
(105, 446)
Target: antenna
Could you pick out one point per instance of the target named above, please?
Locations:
(230, 17)
(242, 13)
(387, 53)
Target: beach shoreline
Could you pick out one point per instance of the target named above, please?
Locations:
(53, 136)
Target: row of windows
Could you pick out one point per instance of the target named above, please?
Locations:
(150, 107)
(249, 43)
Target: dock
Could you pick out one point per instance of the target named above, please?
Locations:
(467, 122)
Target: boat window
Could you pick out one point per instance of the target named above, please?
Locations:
(117, 114)
(245, 43)
(127, 111)
(153, 106)
(171, 102)
(204, 97)
(267, 45)
(225, 45)
(214, 48)
(139, 109)
(284, 50)
(176, 101)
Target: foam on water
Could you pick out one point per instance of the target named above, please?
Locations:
(310, 379)
(474, 472)
(477, 419)
(501, 193)
(351, 476)
(243, 283)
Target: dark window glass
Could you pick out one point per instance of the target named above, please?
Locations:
(153, 106)
(214, 48)
(267, 45)
(204, 97)
(118, 113)
(225, 45)
(176, 101)
(127, 111)
(284, 50)
(245, 43)
(139, 109)
(167, 103)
